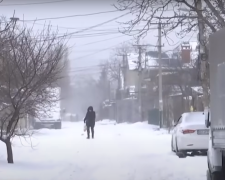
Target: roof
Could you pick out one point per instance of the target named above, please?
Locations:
(152, 57)
(198, 89)
(155, 54)
(132, 59)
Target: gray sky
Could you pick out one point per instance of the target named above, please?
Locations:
(81, 54)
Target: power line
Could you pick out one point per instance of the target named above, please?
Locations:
(35, 3)
(85, 70)
(88, 28)
(91, 27)
(99, 51)
(94, 34)
(90, 50)
(114, 27)
(101, 40)
(84, 67)
(63, 27)
(76, 15)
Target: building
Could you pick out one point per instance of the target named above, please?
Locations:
(179, 74)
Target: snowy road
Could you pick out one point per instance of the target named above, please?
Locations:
(119, 152)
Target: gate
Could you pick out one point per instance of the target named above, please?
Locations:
(153, 117)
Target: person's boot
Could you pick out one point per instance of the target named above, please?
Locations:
(92, 136)
(88, 137)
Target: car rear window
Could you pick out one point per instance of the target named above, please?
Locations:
(195, 118)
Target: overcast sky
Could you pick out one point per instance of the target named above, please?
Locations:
(86, 50)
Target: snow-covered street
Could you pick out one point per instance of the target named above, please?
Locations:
(118, 152)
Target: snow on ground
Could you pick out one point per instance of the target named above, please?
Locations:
(118, 152)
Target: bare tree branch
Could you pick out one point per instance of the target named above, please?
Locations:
(148, 12)
(30, 65)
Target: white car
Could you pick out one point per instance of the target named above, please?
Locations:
(190, 135)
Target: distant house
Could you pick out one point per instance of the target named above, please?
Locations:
(178, 71)
(130, 72)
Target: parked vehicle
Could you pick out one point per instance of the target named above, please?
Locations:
(52, 118)
(190, 135)
(215, 117)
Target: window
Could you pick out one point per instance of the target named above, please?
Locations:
(179, 121)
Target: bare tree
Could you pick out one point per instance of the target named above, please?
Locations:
(173, 19)
(117, 61)
(122, 49)
(30, 65)
(151, 11)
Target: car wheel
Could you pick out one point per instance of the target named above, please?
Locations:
(214, 176)
(204, 153)
(208, 177)
(58, 126)
(172, 149)
(180, 154)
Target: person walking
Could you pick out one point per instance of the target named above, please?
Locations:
(90, 121)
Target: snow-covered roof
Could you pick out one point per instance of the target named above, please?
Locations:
(132, 59)
(176, 91)
(197, 89)
(150, 57)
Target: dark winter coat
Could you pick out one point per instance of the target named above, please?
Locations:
(90, 117)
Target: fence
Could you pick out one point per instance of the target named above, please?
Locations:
(127, 111)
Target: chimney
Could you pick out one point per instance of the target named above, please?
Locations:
(186, 53)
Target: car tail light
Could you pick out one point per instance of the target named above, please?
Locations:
(188, 131)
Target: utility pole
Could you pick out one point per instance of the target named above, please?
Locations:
(140, 80)
(139, 63)
(119, 95)
(161, 120)
(203, 56)
(14, 19)
(146, 60)
(160, 75)
(124, 56)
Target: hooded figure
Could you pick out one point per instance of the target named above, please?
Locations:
(90, 121)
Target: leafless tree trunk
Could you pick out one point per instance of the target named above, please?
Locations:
(9, 151)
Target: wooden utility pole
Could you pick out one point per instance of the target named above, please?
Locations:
(139, 67)
(161, 120)
(140, 74)
(122, 66)
(160, 75)
(119, 95)
(203, 56)
(140, 81)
